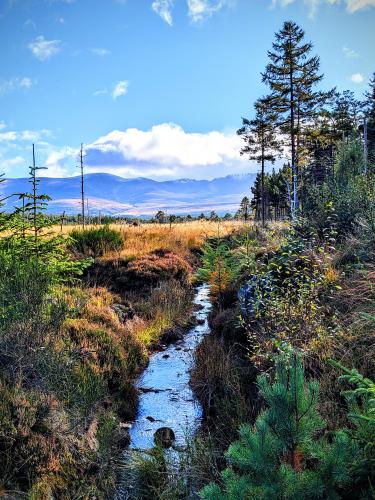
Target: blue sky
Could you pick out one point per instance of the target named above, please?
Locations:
(155, 88)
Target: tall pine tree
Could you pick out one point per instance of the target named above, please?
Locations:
(260, 142)
(292, 76)
(370, 122)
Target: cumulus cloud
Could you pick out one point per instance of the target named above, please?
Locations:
(44, 49)
(9, 164)
(164, 9)
(199, 10)
(357, 78)
(17, 83)
(165, 151)
(59, 162)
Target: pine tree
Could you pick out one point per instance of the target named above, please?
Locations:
(213, 216)
(244, 210)
(256, 199)
(282, 457)
(161, 217)
(219, 268)
(346, 112)
(370, 121)
(260, 142)
(292, 76)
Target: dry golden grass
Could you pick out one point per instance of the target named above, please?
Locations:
(180, 237)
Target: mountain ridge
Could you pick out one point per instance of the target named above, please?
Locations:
(140, 196)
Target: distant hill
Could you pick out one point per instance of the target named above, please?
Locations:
(119, 196)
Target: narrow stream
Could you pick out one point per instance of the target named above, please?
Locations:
(166, 399)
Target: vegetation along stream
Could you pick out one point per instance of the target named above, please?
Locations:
(168, 411)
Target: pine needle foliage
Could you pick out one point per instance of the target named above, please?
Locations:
(219, 268)
(283, 455)
(361, 404)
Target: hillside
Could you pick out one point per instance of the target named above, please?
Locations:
(141, 196)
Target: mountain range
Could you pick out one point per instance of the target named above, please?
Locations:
(111, 194)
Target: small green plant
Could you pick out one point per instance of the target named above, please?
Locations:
(361, 405)
(95, 242)
(219, 268)
(283, 457)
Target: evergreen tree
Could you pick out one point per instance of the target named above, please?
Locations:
(244, 210)
(292, 76)
(256, 191)
(370, 121)
(213, 216)
(260, 142)
(346, 112)
(282, 457)
(219, 268)
(161, 217)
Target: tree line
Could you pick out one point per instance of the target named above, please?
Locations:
(304, 125)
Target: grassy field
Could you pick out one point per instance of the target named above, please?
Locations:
(179, 238)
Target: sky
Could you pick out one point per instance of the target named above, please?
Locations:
(155, 88)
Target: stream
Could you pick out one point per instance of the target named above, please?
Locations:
(166, 398)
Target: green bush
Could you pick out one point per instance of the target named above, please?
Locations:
(95, 242)
(284, 456)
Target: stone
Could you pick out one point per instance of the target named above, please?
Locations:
(164, 437)
(172, 335)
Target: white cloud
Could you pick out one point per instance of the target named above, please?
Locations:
(350, 53)
(164, 9)
(17, 83)
(100, 92)
(100, 52)
(351, 5)
(25, 135)
(120, 89)
(59, 162)
(199, 10)
(8, 164)
(30, 22)
(8, 136)
(25, 83)
(43, 49)
(357, 78)
(354, 5)
(165, 151)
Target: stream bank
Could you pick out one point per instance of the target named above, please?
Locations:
(166, 400)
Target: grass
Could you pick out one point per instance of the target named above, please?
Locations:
(180, 238)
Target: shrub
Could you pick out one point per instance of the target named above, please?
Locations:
(154, 267)
(219, 269)
(95, 242)
(283, 455)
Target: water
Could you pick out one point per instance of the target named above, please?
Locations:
(169, 400)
